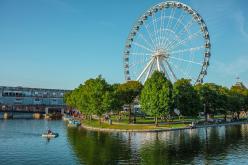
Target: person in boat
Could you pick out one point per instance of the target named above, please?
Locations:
(49, 132)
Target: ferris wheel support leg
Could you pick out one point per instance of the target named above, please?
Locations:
(166, 74)
(149, 71)
(141, 74)
(158, 64)
(173, 74)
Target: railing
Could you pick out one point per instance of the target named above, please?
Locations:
(30, 108)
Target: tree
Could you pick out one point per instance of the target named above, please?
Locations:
(68, 99)
(238, 96)
(97, 93)
(223, 100)
(186, 98)
(208, 97)
(156, 96)
(95, 96)
(116, 100)
(246, 99)
(127, 92)
(71, 98)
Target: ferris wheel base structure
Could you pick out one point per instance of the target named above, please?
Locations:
(169, 37)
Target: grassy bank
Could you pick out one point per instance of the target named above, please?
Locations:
(150, 120)
(123, 126)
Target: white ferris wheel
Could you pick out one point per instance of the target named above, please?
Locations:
(170, 37)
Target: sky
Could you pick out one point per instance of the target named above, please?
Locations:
(62, 43)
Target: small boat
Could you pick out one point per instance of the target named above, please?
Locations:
(50, 135)
(67, 118)
(74, 123)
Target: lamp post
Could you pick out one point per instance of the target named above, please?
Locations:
(205, 113)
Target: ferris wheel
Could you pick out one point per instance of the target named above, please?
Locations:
(172, 38)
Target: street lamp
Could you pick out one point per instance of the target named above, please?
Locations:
(205, 113)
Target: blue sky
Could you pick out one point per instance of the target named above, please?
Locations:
(61, 43)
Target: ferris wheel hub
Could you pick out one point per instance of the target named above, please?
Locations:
(160, 53)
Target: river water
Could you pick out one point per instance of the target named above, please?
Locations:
(21, 143)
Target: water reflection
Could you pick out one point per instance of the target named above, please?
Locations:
(99, 148)
(218, 145)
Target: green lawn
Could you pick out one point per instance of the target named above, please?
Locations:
(150, 120)
(146, 123)
(123, 126)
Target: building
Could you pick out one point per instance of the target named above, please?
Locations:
(240, 84)
(30, 98)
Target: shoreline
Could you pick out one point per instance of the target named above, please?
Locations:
(90, 128)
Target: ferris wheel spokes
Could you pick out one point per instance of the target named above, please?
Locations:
(180, 59)
(185, 29)
(142, 46)
(146, 41)
(168, 23)
(186, 50)
(168, 41)
(189, 38)
(150, 36)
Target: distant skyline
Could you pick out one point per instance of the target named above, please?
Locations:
(62, 43)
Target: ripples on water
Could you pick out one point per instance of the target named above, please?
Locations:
(21, 143)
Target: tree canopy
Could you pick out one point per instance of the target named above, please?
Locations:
(93, 97)
(186, 98)
(156, 96)
(128, 91)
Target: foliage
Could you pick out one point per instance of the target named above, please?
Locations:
(186, 98)
(208, 96)
(238, 99)
(95, 96)
(72, 98)
(222, 100)
(126, 94)
(128, 91)
(156, 96)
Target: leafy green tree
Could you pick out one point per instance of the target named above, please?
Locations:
(97, 92)
(223, 100)
(68, 99)
(186, 98)
(208, 97)
(238, 96)
(127, 92)
(71, 98)
(246, 100)
(95, 96)
(156, 96)
(117, 103)
(234, 103)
